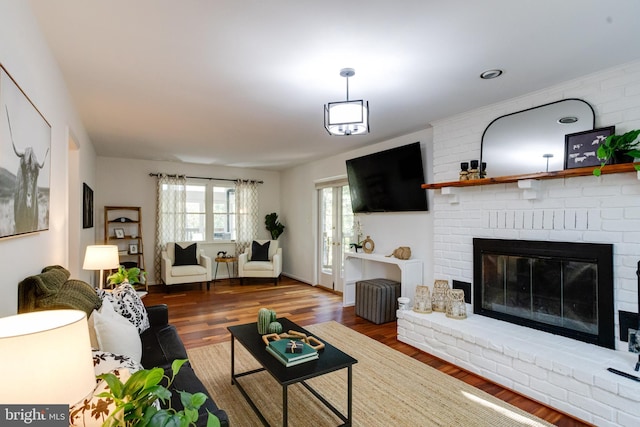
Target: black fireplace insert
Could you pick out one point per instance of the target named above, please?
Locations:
(559, 287)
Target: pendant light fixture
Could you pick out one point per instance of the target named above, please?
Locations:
(346, 118)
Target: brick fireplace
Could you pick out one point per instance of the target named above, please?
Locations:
(564, 288)
(567, 374)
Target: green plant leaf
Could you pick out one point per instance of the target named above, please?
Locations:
(137, 382)
(191, 415)
(212, 421)
(154, 377)
(176, 365)
(115, 385)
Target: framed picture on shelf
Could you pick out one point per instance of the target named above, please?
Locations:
(580, 148)
(133, 249)
(119, 233)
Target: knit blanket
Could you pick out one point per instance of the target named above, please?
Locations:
(52, 289)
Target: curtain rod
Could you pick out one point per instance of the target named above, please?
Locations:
(210, 179)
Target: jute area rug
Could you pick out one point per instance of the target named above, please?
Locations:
(389, 389)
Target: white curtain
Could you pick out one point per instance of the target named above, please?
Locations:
(246, 214)
(171, 215)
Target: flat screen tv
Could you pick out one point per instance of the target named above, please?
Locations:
(388, 181)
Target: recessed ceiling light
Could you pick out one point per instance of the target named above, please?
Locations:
(490, 74)
(567, 120)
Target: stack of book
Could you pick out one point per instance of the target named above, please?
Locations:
(292, 352)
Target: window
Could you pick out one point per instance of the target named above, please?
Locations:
(224, 213)
(210, 211)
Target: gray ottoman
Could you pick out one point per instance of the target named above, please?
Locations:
(376, 300)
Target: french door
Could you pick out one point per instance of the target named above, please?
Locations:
(335, 226)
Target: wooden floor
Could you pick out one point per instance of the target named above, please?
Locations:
(202, 317)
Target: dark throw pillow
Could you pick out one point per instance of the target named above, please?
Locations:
(186, 256)
(260, 252)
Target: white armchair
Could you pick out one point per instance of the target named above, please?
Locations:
(190, 266)
(270, 267)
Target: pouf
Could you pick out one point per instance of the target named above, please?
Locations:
(376, 300)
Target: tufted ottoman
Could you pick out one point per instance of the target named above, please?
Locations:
(376, 299)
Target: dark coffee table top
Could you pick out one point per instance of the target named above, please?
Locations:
(330, 358)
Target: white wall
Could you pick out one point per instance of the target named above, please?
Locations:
(387, 230)
(26, 56)
(126, 182)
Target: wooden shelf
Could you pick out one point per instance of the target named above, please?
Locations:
(567, 173)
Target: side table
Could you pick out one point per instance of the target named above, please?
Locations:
(226, 260)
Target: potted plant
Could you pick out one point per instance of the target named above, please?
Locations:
(273, 225)
(615, 147)
(132, 275)
(134, 400)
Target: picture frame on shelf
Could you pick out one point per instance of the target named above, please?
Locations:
(580, 148)
(119, 232)
(133, 249)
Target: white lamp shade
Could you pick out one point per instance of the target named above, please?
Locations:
(45, 358)
(101, 257)
(347, 117)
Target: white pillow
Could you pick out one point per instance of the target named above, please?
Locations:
(114, 333)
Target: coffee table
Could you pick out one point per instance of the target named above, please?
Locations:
(331, 359)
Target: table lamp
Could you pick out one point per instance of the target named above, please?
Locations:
(101, 257)
(45, 358)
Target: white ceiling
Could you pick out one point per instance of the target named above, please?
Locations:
(243, 83)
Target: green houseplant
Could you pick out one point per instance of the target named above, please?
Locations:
(132, 275)
(615, 145)
(273, 225)
(134, 400)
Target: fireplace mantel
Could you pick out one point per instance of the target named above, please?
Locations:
(567, 173)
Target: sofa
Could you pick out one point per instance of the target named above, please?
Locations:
(159, 342)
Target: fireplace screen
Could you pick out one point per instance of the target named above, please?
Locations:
(556, 287)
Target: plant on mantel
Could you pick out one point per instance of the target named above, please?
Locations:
(614, 146)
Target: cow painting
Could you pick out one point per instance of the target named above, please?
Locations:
(25, 162)
(25, 199)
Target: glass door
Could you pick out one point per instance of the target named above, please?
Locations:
(335, 234)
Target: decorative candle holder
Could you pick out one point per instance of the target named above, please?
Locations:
(439, 297)
(422, 301)
(456, 308)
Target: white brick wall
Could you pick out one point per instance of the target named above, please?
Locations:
(581, 209)
(566, 374)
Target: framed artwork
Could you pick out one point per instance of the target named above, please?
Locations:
(119, 233)
(133, 249)
(580, 148)
(25, 162)
(87, 206)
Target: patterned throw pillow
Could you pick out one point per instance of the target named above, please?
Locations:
(126, 302)
(92, 410)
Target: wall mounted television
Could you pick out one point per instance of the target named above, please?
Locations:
(388, 181)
